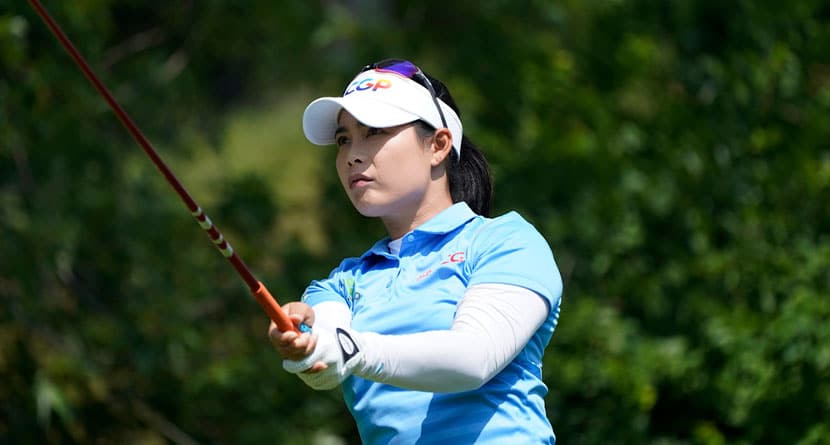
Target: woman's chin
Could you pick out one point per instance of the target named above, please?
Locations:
(372, 209)
(365, 208)
(369, 211)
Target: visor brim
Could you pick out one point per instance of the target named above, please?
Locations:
(320, 117)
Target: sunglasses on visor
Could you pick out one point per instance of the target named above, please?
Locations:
(409, 70)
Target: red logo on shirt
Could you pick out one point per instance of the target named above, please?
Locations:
(457, 257)
(423, 275)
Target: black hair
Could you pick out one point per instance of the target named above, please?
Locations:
(469, 175)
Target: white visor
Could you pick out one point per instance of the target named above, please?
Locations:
(380, 100)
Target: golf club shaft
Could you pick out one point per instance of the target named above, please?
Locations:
(260, 292)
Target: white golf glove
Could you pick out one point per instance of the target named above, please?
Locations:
(341, 351)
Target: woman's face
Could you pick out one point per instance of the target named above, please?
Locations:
(385, 171)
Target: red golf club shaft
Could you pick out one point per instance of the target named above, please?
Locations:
(260, 292)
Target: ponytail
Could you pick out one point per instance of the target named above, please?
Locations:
(470, 179)
(469, 176)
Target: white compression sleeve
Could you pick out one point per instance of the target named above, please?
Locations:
(492, 325)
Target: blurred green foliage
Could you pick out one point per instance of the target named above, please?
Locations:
(675, 154)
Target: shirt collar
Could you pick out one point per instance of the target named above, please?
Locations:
(446, 221)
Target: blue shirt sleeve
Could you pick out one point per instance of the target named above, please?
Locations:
(509, 250)
(333, 288)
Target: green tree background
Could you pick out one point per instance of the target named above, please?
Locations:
(674, 153)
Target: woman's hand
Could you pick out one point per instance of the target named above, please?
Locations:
(291, 345)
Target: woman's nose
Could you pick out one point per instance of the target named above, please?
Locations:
(354, 159)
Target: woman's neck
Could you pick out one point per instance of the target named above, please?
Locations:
(401, 224)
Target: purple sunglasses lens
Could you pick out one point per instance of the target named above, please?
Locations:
(411, 71)
(404, 68)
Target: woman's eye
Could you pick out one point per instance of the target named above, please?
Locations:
(341, 141)
(372, 131)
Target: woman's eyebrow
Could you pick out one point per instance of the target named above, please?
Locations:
(343, 129)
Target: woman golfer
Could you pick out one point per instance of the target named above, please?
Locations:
(435, 334)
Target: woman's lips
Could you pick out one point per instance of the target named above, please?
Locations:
(358, 181)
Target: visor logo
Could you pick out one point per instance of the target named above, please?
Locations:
(368, 84)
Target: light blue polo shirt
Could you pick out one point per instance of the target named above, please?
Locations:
(418, 290)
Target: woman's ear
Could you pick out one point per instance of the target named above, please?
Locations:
(441, 146)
